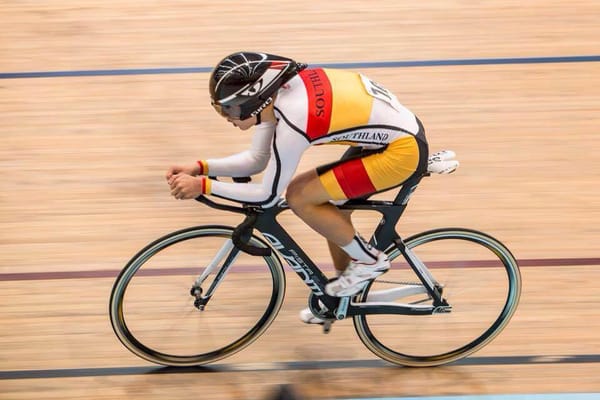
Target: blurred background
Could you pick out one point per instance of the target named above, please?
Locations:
(87, 136)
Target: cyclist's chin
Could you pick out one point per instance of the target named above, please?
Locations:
(245, 124)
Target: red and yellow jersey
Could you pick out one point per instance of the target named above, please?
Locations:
(343, 107)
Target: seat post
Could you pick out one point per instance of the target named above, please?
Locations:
(407, 189)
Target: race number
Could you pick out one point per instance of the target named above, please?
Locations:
(378, 91)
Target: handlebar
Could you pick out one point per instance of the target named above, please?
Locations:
(218, 206)
(225, 207)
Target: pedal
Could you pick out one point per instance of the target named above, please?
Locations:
(319, 310)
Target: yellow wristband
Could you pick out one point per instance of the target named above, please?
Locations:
(207, 186)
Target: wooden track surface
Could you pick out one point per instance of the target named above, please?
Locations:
(83, 160)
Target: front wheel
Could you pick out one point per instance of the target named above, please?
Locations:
(160, 307)
(477, 275)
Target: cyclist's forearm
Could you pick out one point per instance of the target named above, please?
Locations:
(242, 164)
(246, 163)
(256, 194)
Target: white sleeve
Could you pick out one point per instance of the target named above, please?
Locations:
(287, 148)
(249, 162)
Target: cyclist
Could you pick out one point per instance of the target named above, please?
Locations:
(293, 107)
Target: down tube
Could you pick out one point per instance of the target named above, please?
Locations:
(295, 257)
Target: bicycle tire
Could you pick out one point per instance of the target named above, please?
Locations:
(372, 330)
(150, 291)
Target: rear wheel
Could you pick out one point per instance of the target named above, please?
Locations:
(480, 279)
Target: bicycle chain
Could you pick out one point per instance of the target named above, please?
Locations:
(399, 283)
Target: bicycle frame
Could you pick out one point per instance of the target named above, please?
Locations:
(384, 237)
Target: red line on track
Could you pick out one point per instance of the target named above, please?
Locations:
(36, 276)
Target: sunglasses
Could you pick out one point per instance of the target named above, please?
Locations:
(231, 111)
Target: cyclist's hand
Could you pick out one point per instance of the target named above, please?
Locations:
(193, 170)
(184, 186)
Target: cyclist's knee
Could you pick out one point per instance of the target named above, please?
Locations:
(305, 190)
(295, 196)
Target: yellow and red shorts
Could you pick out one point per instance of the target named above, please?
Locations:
(371, 172)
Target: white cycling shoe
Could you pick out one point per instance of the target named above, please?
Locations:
(307, 317)
(357, 276)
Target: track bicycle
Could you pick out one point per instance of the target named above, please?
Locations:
(203, 293)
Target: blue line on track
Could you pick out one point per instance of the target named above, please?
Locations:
(342, 65)
(528, 396)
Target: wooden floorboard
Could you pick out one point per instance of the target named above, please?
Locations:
(83, 158)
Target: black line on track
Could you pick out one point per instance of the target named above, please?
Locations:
(284, 366)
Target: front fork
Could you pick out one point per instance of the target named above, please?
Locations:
(229, 252)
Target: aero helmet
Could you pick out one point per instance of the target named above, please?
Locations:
(244, 83)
